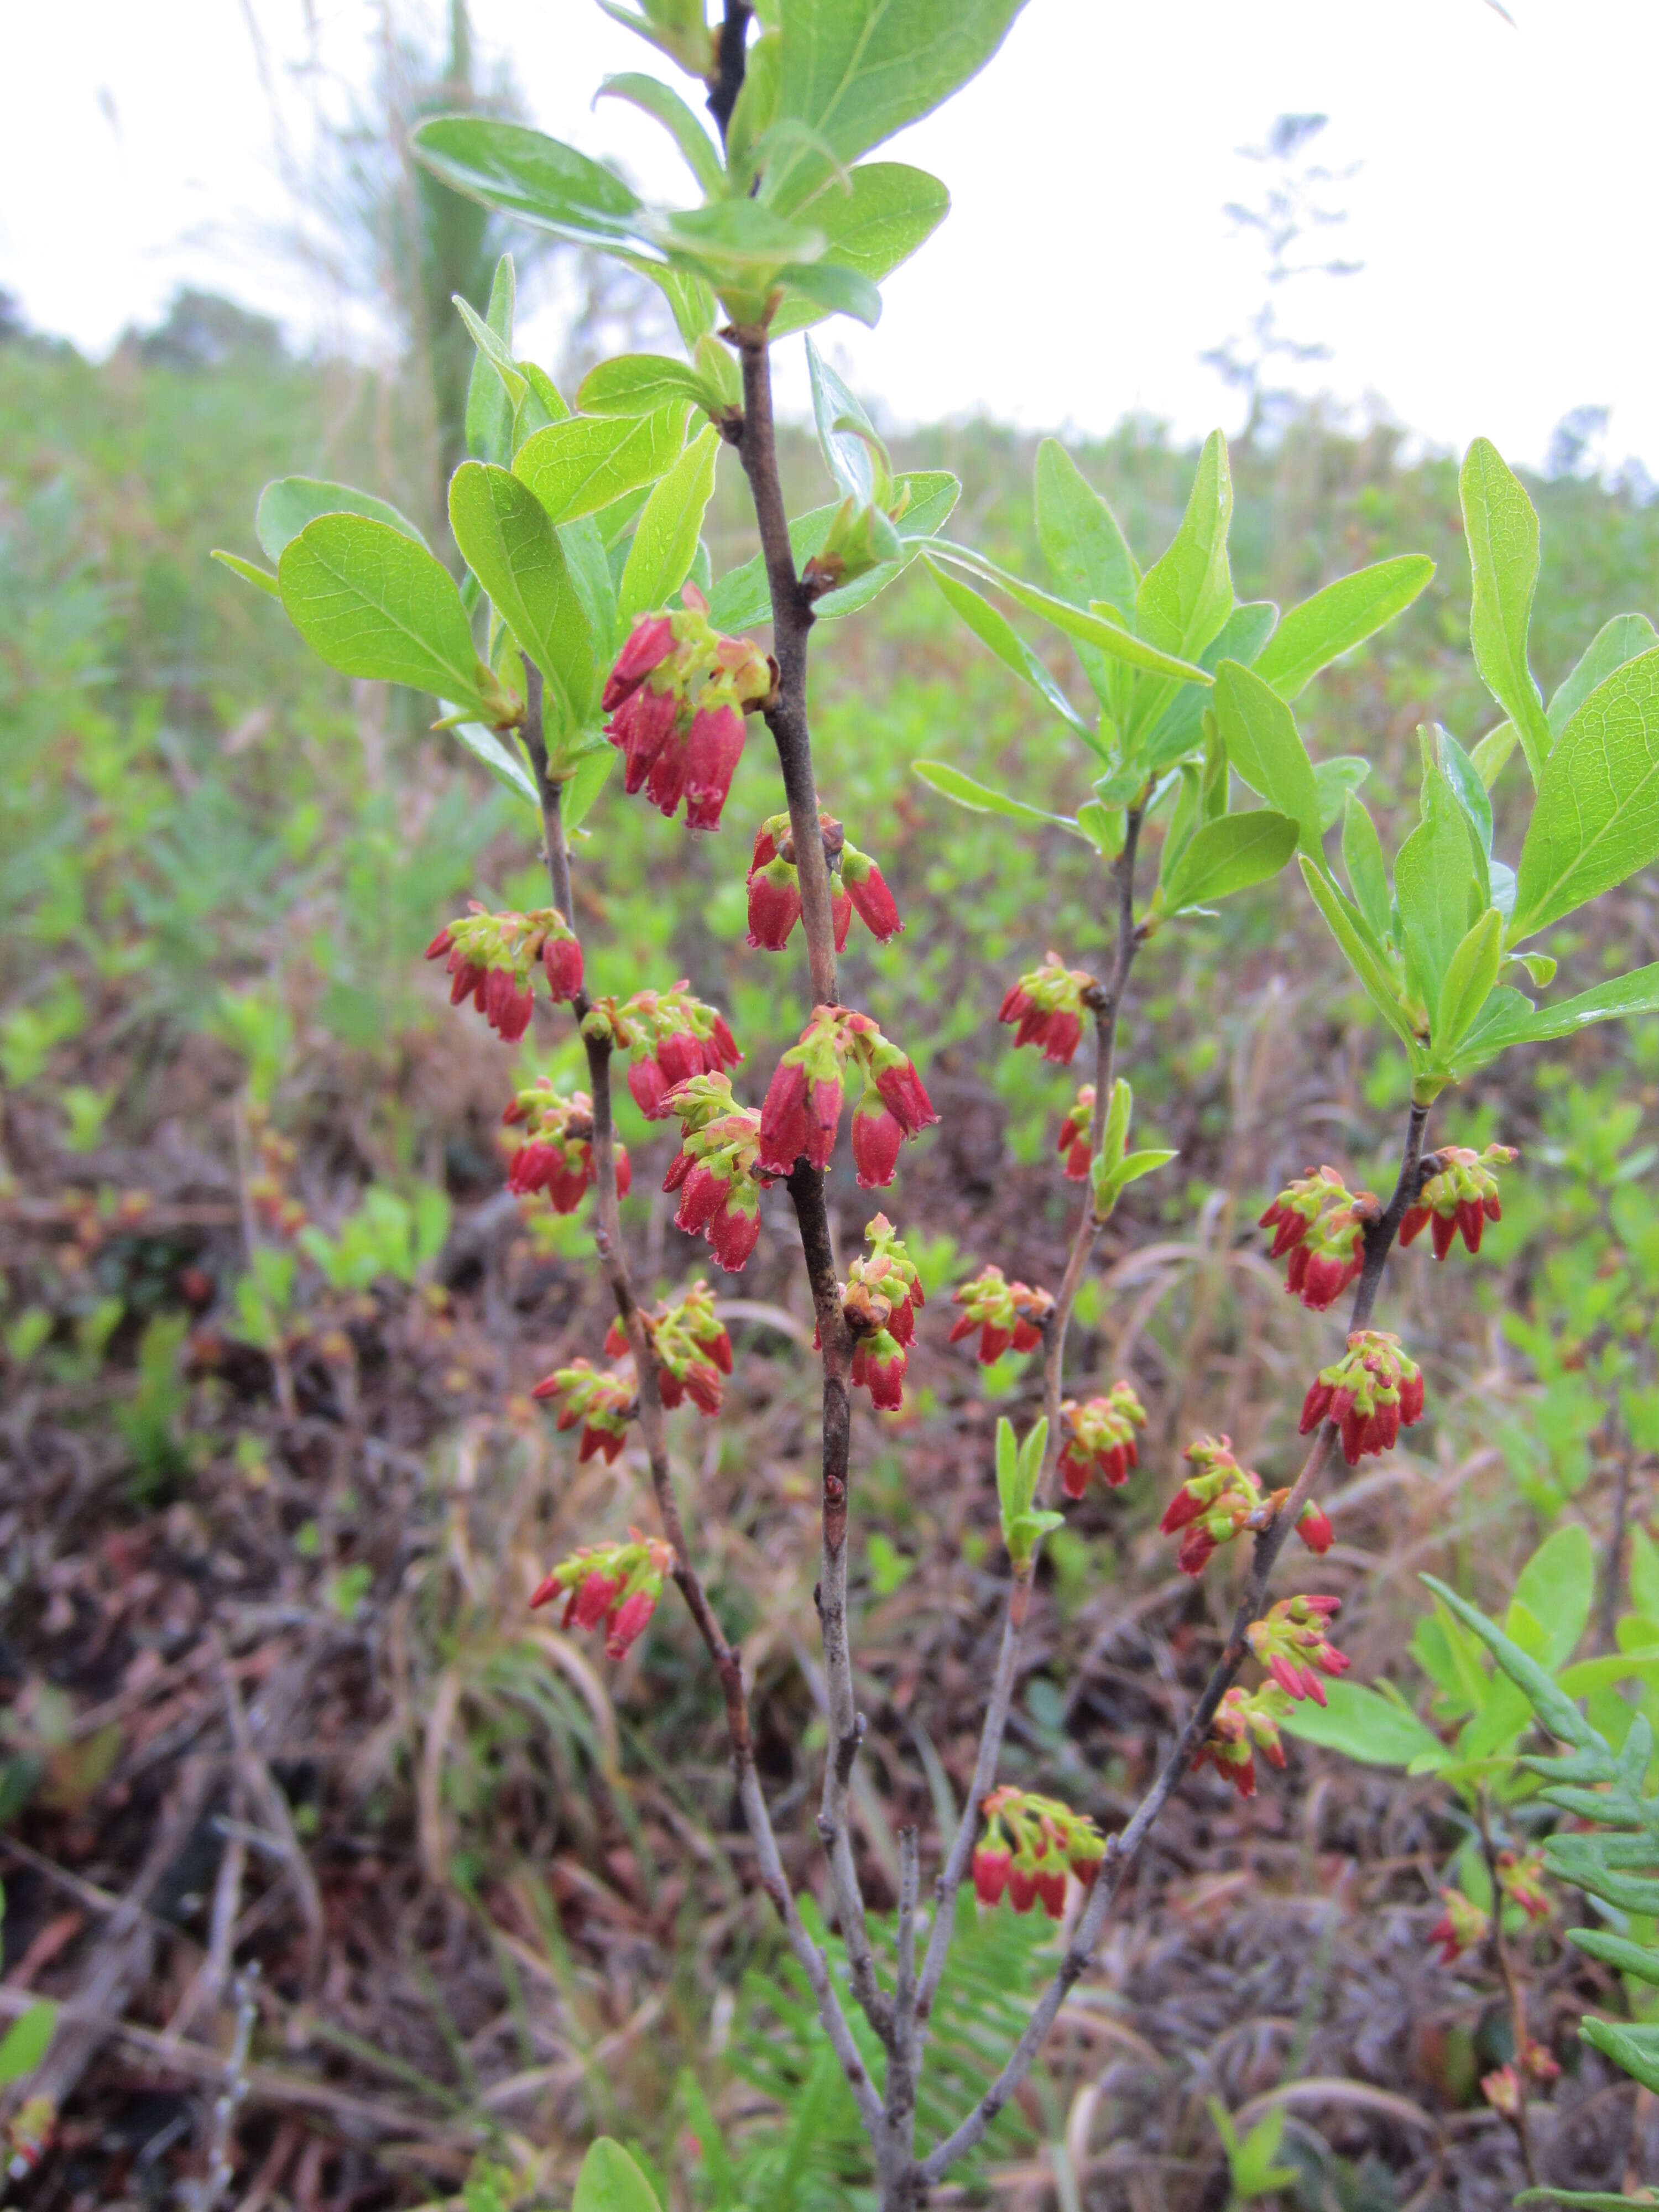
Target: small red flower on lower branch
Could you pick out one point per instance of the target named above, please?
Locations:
(671, 1035)
(1048, 1005)
(1293, 1645)
(1461, 1927)
(556, 1155)
(1458, 1193)
(1245, 1721)
(716, 1171)
(1098, 1438)
(676, 698)
(492, 958)
(603, 1404)
(1075, 1143)
(1373, 1392)
(1029, 1846)
(1321, 1224)
(879, 1305)
(802, 1109)
(690, 1348)
(617, 1584)
(856, 885)
(1007, 1315)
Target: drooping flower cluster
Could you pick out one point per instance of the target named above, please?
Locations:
(1246, 1722)
(880, 1301)
(1076, 1141)
(1222, 1500)
(603, 1404)
(670, 1036)
(1293, 1645)
(1461, 1194)
(1321, 1224)
(1048, 1004)
(677, 697)
(715, 1170)
(556, 1155)
(1463, 1926)
(1005, 1313)
(616, 1585)
(1374, 1390)
(491, 957)
(1098, 1438)
(1029, 1846)
(802, 1111)
(773, 885)
(689, 1347)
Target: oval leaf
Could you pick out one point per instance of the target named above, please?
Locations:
(980, 798)
(373, 604)
(1335, 620)
(576, 467)
(513, 550)
(518, 170)
(288, 503)
(666, 537)
(609, 2181)
(1362, 1724)
(1229, 855)
(1596, 819)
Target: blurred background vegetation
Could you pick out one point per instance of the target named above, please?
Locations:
(269, 1328)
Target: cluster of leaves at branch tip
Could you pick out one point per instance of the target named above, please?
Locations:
(1018, 1469)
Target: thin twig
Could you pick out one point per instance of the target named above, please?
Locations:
(1123, 1849)
(1513, 1991)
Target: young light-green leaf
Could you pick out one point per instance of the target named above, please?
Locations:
(1078, 533)
(26, 2041)
(1626, 637)
(1338, 618)
(1368, 870)
(1501, 525)
(890, 209)
(994, 630)
(508, 770)
(523, 174)
(506, 540)
(636, 384)
(1229, 855)
(1335, 780)
(1187, 594)
(664, 105)
(1266, 749)
(1596, 819)
(373, 604)
(1468, 982)
(1094, 627)
(489, 404)
(1433, 876)
(288, 503)
(609, 2181)
(980, 798)
(850, 452)
(249, 571)
(1363, 1725)
(666, 537)
(854, 71)
(740, 599)
(1346, 925)
(576, 467)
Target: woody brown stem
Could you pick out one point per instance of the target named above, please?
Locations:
(1512, 1989)
(1123, 1849)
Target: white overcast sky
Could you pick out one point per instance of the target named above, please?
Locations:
(1505, 207)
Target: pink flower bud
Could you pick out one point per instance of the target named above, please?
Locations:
(1051, 1889)
(629, 1621)
(591, 1600)
(991, 1865)
(440, 944)
(648, 644)
(876, 1137)
(774, 905)
(704, 1194)
(840, 914)
(649, 1087)
(665, 785)
(823, 1118)
(562, 957)
(735, 1229)
(712, 752)
(783, 1119)
(641, 729)
(680, 1055)
(1021, 1885)
(623, 1170)
(902, 1091)
(868, 888)
(1313, 1527)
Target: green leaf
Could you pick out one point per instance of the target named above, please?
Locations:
(1469, 980)
(994, 630)
(1492, 751)
(1626, 637)
(549, 186)
(587, 780)
(1007, 1470)
(849, 452)
(576, 467)
(1078, 533)
(1333, 780)
(1617, 1951)
(889, 211)
(373, 604)
(1557, 1711)
(489, 406)
(665, 540)
(1468, 787)
(1347, 925)
(854, 71)
(832, 290)
(609, 2181)
(288, 503)
(1180, 728)
(665, 106)
(1557, 1586)
(1095, 628)
(636, 384)
(1266, 749)
(1338, 618)
(1588, 2200)
(1596, 819)
(1502, 529)
(980, 798)
(1635, 993)
(1363, 1725)
(513, 550)
(1634, 2048)
(1187, 594)
(1433, 876)
(1229, 855)
(26, 2041)
(249, 571)
(1643, 1573)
